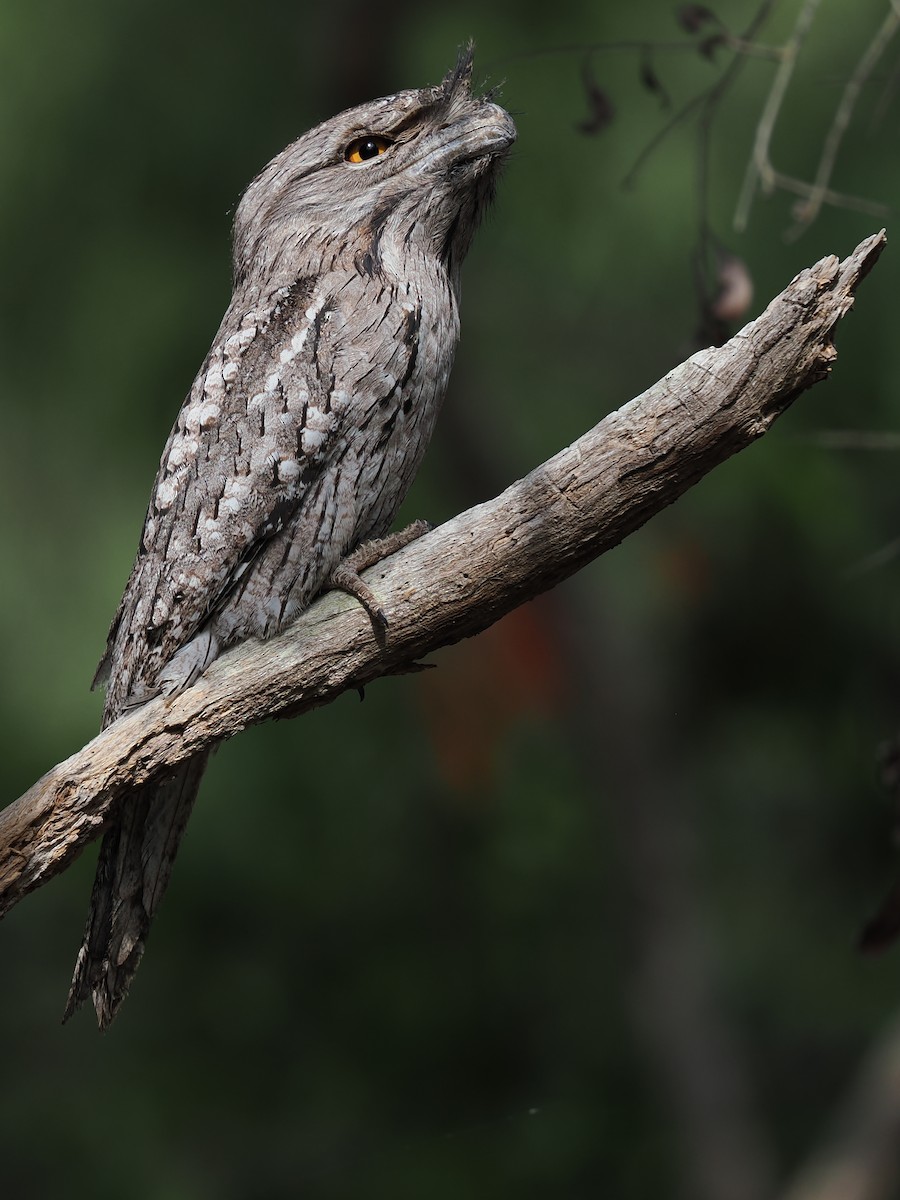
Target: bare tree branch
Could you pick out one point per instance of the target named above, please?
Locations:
(759, 169)
(463, 576)
(762, 174)
(820, 192)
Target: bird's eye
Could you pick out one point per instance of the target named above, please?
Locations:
(361, 149)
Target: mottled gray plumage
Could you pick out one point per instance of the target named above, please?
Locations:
(299, 438)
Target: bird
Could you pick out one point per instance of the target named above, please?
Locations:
(297, 441)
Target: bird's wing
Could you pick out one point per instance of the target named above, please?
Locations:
(255, 432)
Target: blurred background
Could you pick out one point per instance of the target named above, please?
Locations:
(574, 914)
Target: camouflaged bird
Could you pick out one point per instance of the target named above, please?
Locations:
(298, 440)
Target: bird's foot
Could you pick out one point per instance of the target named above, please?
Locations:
(345, 577)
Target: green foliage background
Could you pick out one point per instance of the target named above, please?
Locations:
(426, 946)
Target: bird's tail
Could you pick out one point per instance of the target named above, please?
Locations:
(135, 863)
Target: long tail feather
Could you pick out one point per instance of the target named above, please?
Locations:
(135, 863)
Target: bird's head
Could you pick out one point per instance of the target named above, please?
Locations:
(412, 170)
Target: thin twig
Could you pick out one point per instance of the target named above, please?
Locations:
(711, 103)
(759, 169)
(709, 97)
(875, 561)
(660, 136)
(889, 89)
(854, 439)
(807, 212)
(837, 199)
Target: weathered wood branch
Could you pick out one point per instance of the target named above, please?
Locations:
(463, 576)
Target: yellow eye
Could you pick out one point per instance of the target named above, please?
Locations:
(361, 149)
